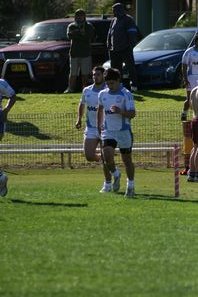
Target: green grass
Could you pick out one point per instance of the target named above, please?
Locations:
(168, 99)
(60, 237)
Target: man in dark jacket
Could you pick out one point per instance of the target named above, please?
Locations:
(122, 37)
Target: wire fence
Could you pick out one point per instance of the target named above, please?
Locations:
(59, 128)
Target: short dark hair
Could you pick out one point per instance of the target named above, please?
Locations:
(99, 68)
(112, 74)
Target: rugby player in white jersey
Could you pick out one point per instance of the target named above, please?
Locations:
(115, 111)
(7, 92)
(190, 77)
(89, 99)
(190, 73)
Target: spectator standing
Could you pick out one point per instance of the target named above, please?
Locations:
(193, 171)
(80, 33)
(116, 108)
(8, 92)
(89, 100)
(121, 39)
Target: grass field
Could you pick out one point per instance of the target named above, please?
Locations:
(168, 99)
(61, 237)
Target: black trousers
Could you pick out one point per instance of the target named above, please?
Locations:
(124, 56)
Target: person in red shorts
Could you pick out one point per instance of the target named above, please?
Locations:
(193, 171)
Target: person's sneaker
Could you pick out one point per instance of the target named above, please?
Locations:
(191, 178)
(116, 183)
(105, 189)
(130, 192)
(3, 185)
(68, 91)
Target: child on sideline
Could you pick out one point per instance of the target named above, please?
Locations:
(193, 171)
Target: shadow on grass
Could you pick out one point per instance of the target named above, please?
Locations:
(157, 95)
(49, 203)
(164, 198)
(25, 129)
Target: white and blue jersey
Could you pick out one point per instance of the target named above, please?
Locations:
(90, 99)
(122, 99)
(190, 58)
(5, 91)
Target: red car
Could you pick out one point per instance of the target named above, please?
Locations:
(40, 61)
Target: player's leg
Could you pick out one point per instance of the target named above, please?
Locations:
(130, 170)
(125, 143)
(196, 163)
(109, 146)
(191, 173)
(187, 145)
(3, 177)
(90, 145)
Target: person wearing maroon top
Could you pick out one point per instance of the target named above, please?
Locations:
(193, 171)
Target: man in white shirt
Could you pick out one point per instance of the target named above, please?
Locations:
(190, 73)
(5, 91)
(115, 110)
(89, 100)
(190, 77)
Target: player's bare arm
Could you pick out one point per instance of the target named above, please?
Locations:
(81, 109)
(9, 105)
(100, 118)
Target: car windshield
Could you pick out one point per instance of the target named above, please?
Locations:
(46, 32)
(163, 40)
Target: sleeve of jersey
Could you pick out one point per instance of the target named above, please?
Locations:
(6, 90)
(129, 102)
(82, 99)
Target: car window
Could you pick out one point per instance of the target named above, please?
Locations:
(46, 32)
(175, 40)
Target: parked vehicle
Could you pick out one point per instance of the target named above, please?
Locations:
(41, 58)
(6, 40)
(158, 57)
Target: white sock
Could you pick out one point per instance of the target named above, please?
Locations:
(116, 172)
(130, 183)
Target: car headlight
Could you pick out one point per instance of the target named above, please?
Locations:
(50, 55)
